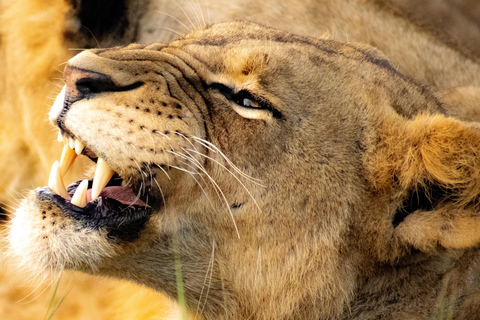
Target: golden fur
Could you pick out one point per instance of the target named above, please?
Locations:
(27, 87)
(336, 177)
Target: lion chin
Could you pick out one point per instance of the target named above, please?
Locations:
(252, 173)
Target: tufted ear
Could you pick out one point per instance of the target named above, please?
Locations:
(433, 164)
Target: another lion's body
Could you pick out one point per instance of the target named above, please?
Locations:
(351, 194)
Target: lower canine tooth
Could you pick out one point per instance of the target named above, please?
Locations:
(80, 196)
(103, 174)
(55, 181)
(66, 160)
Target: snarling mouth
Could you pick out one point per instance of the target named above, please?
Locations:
(104, 201)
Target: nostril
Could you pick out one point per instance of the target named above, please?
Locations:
(80, 83)
(99, 84)
(96, 84)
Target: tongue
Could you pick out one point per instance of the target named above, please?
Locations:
(121, 194)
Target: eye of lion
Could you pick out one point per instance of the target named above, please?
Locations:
(244, 99)
(248, 105)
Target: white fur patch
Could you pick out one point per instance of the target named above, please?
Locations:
(48, 246)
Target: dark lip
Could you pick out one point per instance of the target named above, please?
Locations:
(122, 222)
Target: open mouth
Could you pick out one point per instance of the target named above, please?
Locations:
(106, 201)
(106, 183)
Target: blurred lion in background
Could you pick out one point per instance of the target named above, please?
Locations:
(37, 37)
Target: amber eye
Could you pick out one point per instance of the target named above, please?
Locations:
(244, 99)
(247, 104)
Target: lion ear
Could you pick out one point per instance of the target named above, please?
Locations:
(434, 163)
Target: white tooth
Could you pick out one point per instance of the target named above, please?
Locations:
(55, 182)
(79, 146)
(71, 143)
(60, 136)
(103, 174)
(67, 159)
(80, 196)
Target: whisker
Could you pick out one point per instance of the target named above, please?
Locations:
(38, 285)
(233, 175)
(151, 179)
(214, 183)
(208, 13)
(161, 192)
(75, 49)
(186, 15)
(176, 19)
(93, 36)
(203, 190)
(154, 145)
(164, 171)
(14, 197)
(198, 165)
(173, 31)
(259, 265)
(214, 148)
(222, 195)
(196, 173)
(201, 13)
(192, 174)
(188, 140)
(185, 170)
(197, 18)
(142, 184)
(209, 268)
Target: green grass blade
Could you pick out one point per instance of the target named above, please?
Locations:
(49, 315)
(51, 301)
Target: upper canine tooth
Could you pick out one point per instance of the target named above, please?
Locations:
(67, 159)
(80, 196)
(71, 143)
(55, 182)
(103, 174)
(60, 136)
(79, 146)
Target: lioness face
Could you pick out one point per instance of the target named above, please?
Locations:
(234, 168)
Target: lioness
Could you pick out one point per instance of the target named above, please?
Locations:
(257, 174)
(423, 38)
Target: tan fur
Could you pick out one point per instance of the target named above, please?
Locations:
(440, 151)
(298, 240)
(28, 89)
(413, 51)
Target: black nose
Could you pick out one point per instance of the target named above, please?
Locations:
(84, 84)
(80, 83)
